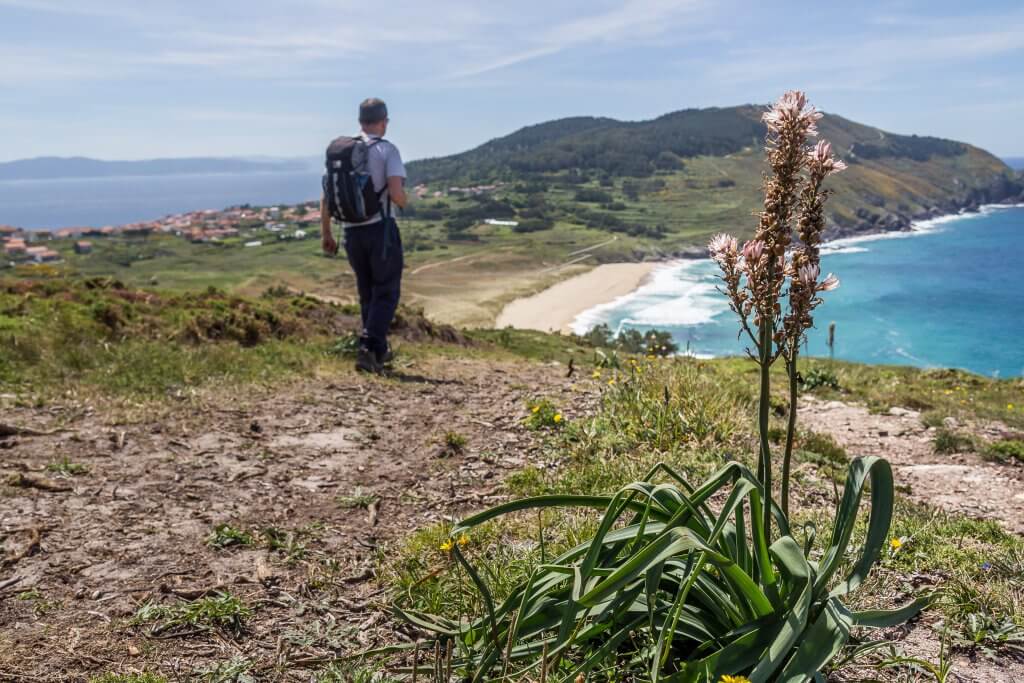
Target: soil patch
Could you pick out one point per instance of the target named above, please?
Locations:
(322, 474)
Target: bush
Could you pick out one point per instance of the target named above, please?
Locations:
(1008, 449)
(650, 343)
(816, 378)
(534, 225)
(593, 196)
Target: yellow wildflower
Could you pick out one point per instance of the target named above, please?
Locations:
(463, 541)
(597, 374)
(611, 382)
(733, 679)
(535, 410)
(557, 417)
(1009, 406)
(896, 543)
(447, 546)
(652, 357)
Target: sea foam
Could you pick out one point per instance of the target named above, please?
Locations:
(678, 293)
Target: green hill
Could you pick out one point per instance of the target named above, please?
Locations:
(705, 165)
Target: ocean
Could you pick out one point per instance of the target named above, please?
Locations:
(95, 202)
(947, 294)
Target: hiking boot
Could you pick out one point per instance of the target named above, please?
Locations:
(366, 361)
(387, 356)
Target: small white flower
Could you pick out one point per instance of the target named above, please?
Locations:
(723, 247)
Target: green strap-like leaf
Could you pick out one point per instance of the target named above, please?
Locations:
(846, 518)
(800, 580)
(821, 642)
(884, 618)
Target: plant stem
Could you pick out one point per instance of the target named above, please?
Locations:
(764, 466)
(790, 431)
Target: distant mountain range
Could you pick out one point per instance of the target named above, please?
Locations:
(892, 180)
(1016, 163)
(52, 168)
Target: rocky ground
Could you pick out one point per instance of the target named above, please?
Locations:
(336, 467)
(957, 482)
(324, 474)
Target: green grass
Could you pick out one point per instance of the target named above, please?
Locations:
(950, 441)
(225, 535)
(221, 611)
(454, 442)
(543, 414)
(128, 678)
(66, 467)
(356, 499)
(1007, 450)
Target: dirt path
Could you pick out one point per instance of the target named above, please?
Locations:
(305, 460)
(959, 482)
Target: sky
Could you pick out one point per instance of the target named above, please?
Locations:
(122, 79)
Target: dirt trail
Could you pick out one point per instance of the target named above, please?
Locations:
(304, 459)
(959, 482)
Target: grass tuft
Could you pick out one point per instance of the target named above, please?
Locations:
(225, 535)
(949, 441)
(357, 499)
(221, 611)
(67, 468)
(454, 442)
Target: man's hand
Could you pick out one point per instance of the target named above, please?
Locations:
(329, 244)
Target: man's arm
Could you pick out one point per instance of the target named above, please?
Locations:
(326, 236)
(396, 190)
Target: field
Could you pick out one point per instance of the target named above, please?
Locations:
(199, 487)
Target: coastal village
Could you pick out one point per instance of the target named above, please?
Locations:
(210, 225)
(245, 226)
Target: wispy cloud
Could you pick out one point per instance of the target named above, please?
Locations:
(630, 21)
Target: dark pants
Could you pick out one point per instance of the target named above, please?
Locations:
(375, 254)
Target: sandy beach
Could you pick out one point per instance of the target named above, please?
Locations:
(554, 309)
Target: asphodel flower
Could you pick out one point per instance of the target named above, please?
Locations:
(829, 283)
(723, 248)
(821, 157)
(752, 251)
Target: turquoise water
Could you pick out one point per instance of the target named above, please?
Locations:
(948, 294)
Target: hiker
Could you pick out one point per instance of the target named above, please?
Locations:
(364, 177)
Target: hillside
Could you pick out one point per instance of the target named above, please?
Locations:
(200, 487)
(510, 218)
(50, 168)
(893, 179)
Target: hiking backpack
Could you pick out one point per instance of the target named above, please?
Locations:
(348, 186)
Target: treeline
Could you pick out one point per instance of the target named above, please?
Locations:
(913, 147)
(631, 149)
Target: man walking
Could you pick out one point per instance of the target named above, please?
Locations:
(365, 176)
